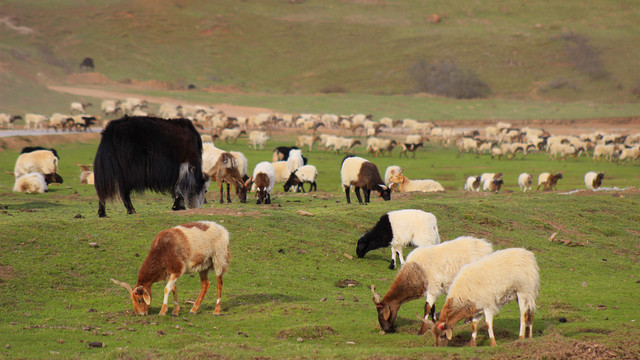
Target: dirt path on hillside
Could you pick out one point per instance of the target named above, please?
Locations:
(228, 109)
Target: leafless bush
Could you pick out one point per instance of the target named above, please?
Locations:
(334, 89)
(558, 84)
(585, 56)
(445, 78)
(636, 89)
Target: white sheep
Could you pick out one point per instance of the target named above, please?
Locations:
(428, 272)
(34, 121)
(6, 120)
(593, 180)
(199, 246)
(473, 184)
(404, 184)
(377, 145)
(307, 140)
(486, 285)
(258, 139)
(42, 161)
(231, 134)
(79, 107)
(606, 151)
(263, 179)
(211, 154)
(491, 181)
(632, 153)
(59, 121)
(390, 171)
(31, 183)
(295, 160)
(362, 174)
(400, 228)
(524, 181)
(281, 171)
(345, 143)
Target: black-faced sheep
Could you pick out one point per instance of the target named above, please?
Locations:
(486, 285)
(362, 174)
(300, 176)
(38, 159)
(397, 229)
(7, 120)
(428, 272)
(199, 247)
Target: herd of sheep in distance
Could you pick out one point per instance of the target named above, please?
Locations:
(142, 151)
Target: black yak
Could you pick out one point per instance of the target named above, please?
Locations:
(139, 153)
(87, 64)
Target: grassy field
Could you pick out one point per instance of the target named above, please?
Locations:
(284, 294)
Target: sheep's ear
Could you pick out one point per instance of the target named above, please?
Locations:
(147, 299)
(449, 333)
(386, 313)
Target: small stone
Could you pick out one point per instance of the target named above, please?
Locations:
(341, 298)
(299, 339)
(563, 320)
(584, 284)
(92, 310)
(350, 343)
(60, 341)
(96, 344)
(8, 346)
(323, 299)
(94, 245)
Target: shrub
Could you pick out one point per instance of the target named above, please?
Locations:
(585, 56)
(636, 89)
(445, 78)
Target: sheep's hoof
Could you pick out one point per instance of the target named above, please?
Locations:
(392, 265)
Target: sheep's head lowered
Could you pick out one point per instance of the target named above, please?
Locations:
(140, 297)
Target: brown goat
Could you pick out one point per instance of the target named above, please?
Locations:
(226, 171)
(193, 247)
(86, 175)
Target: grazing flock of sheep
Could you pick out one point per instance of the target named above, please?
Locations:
(142, 152)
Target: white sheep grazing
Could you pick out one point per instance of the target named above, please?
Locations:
(231, 134)
(486, 285)
(199, 246)
(31, 183)
(593, 180)
(428, 272)
(606, 151)
(390, 171)
(34, 121)
(58, 121)
(263, 179)
(632, 153)
(258, 139)
(404, 184)
(307, 140)
(397, 229)
(79, 107)
(42, 161)
(281, 171)
(524, 181)
(6, 120)
(473, 184)
(295, 160)
(345, 143)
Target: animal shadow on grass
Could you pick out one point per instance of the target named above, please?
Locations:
(32, 206)
(505, 331)
(255, 299)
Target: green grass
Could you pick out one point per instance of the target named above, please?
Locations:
(282, 282)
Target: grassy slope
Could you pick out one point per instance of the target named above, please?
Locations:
(364, 47)
(284, 264)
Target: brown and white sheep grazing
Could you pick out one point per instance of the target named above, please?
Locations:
(486, 285)
(524, 181)
(226, 170)
(593, 180)
(473, 184)
(86, 175)
(428, 272)
(548, 181)
(263, 179)
(199, 246)
(362, 174)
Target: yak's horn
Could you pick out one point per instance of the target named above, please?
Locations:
(376, 296)
(123, 284)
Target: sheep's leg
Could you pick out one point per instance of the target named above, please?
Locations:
(357, 191)
(400, 256)
(474, 332)
(219, 289)
(529, 321)
(429, 309)
(221, 188)
(313, 187)
(302, 187)
(167, 289)
(228, 193)
(367, 195)
(393, 259)
(204, 280)
(347, 191)
(267, 199)
(488, 318)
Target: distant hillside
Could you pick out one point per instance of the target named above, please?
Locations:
(555, 50)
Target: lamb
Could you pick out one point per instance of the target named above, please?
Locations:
(199, 246)
(302, 175)
(362, 174)
(411, 147)
(263, 178)
(226, 170)
(472, 184)
(390, 171)
(79, 106)
(307, 140)
(491, 181)
(406, 185)
(524, 181)
(232, 134)
(593, 180)
(31, 183)
(548, 181)
(428, 272)
(295, 160)
(34, 121)
(86, 175)
(36, 160)
(377, 145)
(345, 143)
(397, 229)
(7, 120)
(486, 285)
(257, 139)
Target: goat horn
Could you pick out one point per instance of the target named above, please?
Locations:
(123, 284)
(376, 296)
(428, 322)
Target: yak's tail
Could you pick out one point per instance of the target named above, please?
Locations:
(106, 172)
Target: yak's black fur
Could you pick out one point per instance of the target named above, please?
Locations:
(378, 237)
(29, 149)
(148, 153)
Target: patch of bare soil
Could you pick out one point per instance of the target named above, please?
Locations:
(555, 346)
(217, 211)
(7, 272)
(91, 78)
(18, 142)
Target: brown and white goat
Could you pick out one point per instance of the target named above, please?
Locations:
(548, 181)
(226, 170)
(199, 247)
(86, 175)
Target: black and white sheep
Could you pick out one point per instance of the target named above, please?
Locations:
(199, 246)
(397, 229)
(362, 174)
(300, 176)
